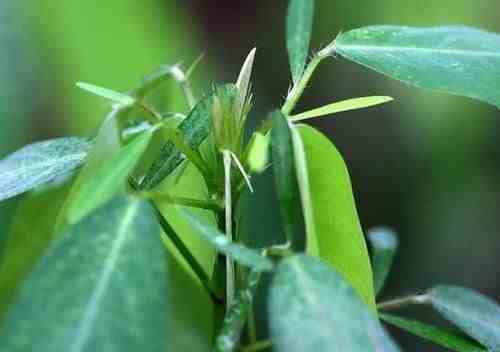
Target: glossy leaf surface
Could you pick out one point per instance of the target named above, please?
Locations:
(456, 59)
(477, 315)
(38, 163)
(299, 28)
(312, 308)
(100, 287)
(108, 180)
(332, 221)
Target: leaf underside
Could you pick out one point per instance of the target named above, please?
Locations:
(455, 59)
(39, 163)
(100, 287)
(312, 308)
(477, 315)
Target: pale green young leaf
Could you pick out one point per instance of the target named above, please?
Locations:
(258, 153)
(241, 254)
(332, 225)
(39, 163)
(299, 28)
(455, 59)
(243, 82)
(477, 315)
(286, 181)
(103, 284)
(446, 338)
(384, 244)
(108, 180)
(109, 94)
(341, 106)
(313, 308)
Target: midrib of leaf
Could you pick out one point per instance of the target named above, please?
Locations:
(85, 327)
(411, 48)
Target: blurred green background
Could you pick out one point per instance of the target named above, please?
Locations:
(427, 164)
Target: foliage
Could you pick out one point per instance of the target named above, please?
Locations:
(121, 264)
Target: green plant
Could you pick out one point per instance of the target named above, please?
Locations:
(144, 251)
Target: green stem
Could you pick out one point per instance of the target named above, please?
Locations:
(181, 247)
(230, 287)
(298, 89)
(237, 314)
(258, 346)
(403, 302)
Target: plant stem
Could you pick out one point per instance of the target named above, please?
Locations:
(237, 314)
(229, 225)
(403, 302)
(181, 247)
(298, 89)
(258, 346)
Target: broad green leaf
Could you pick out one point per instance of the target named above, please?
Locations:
(38, 163)
(101, 287)
(189, 185)
(313, 308)
(332, 224)
(241, 254)
(243, 82)
(384, 244)
(455, 59)
(442, 337)
(341, 106)
(29, 235)
(286, 182)
(190, 309)
(299, 27)
(108, 180)
(477, 315)
(106, 93)
(105, 147)
(195, 129)
(258, 154)
(237, 315)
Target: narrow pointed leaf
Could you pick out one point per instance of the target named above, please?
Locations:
(195, 129)
(38, 163)
(341, 106)
(100, 287)
(243, 83)
(243, 255)
(109, 94)
(299, 28)
(456, 59)
(477, 315)
(384, 244)
(332, 224)
(448, 339)
(286, 181)
(312, 308)
(107, 180)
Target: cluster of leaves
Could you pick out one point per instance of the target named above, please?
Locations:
(119, 261)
